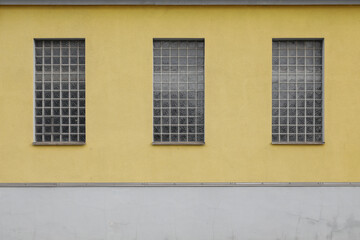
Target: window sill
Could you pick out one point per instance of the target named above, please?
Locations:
(58, 143)
(298, 143)
(178, 143)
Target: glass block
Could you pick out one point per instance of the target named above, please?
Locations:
(275, 138)
(182, 137)
(318, 112)
(292, 95)
(174, 120)
(283, 60)
(309, 52)
(292, 112)
(318, 129)
(309, 103)
(301, 138)
(165, 129)
(283, 120)
(309, 129)
(301, 120)
(283, 86)
(275, 44)
(283, 129)
(65, 51)
(309, 44)
(292, 120)
(292, 103)
(47, 138)
(64, 103)
(47, 51)
(191, 120)
(300, 78)
(301, 61)
(157, 137)
(56, 129)
(275, 52)
(182, 129)
(283, 69)
(174, 137)
(64, 138)
(165, 95)
(283, 95)
(292, 138)
(47, 129)
(283, 112)
(301, 129)
(56, 111)
(82, 111)
(38, 138)
(318, 103)
(165, 87)
(200, 138)
(309, 120)
(283, 52)
(200, 120)
(39, 43)
(191, 137)
(300, 69)
(74, 137)
(165, 120)
(65, 111)
(38, 120)
(157, 120)
(200, 129)
(191, 111)
(275, 129)
(275, 120)
(157, 112)
(56, 52)
(283, 138)
(65, 120)
(318, 138)
(309, 137)
(275, 103)
(318, 120)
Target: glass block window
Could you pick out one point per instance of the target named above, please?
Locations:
(297, 92)
(59, 91)
(178, 91)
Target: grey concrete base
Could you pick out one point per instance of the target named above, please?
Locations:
(180, 213)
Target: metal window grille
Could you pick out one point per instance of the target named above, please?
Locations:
(297, 91)
(178, 91)
(60, 91)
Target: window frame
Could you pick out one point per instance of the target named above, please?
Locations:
(178, 143)
(322, 97)
(53, 143)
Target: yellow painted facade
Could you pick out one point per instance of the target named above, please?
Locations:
(238, 42)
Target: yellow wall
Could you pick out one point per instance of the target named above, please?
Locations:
(238, 43)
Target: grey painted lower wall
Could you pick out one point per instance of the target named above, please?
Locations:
(180, 213)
